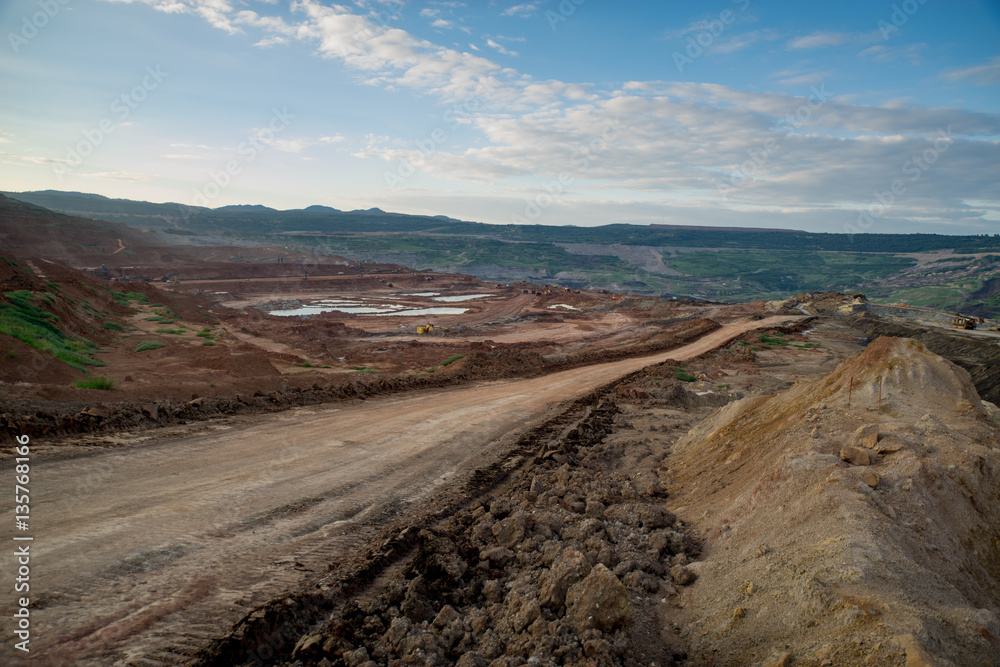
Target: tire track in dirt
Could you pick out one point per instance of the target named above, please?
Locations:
(249, 512)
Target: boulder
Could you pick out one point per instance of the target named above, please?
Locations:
(599, 601)
(570, 567)
(856, 456)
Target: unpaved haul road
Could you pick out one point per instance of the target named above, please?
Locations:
(142, 554)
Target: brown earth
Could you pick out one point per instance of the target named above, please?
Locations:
(144, 546)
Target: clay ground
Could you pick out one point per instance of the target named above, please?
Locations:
(156, 546)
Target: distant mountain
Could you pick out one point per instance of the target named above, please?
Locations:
(30, 231)
(245, 207)
(316, 208)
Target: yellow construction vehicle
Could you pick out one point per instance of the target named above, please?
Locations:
(426, 329)
(961, 322)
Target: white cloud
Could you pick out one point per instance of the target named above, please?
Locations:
(500, 48)
(523, 10)
(268, 42)
(743, 41)
(441, 23)
(797, 78)
(885, 54)
(818, 40)
(983, 75)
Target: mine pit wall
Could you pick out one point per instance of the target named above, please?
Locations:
(981, 359)
(914, 312)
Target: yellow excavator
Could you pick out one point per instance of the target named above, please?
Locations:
(425, 329)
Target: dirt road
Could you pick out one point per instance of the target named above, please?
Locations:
(143, 553)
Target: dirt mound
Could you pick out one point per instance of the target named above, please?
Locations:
(980, 358)
(849, 520)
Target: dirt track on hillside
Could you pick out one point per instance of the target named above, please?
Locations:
(149, 551)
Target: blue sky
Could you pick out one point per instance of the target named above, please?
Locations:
(849, 116)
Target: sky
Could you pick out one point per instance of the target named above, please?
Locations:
(855, 116)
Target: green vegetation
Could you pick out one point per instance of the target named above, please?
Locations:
(22, 319)
(768, 339)
(113, 326)
(362, 369)
(685, 377)
(99, 382)
(148, 345)
(305, 364)
(452, 359)
(176, 332)
(208, 343)
(126, 298)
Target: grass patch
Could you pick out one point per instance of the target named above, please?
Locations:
(362, 369)
(685, 377)
(99, 382)
(148, 345)
(208, 343)
(768, 339)
(305, 364)
(452, 359)
(113, 326)
(203, 334)
(175, 332)
(34, 326)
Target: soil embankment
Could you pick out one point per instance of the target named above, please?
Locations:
(980, 358)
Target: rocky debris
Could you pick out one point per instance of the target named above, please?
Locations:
(550, 569)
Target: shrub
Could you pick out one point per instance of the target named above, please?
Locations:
(176, 332)
(113, 326)
(685, 377)
(99, 382)
(148, 345)
(453, 358)
(208, 343)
